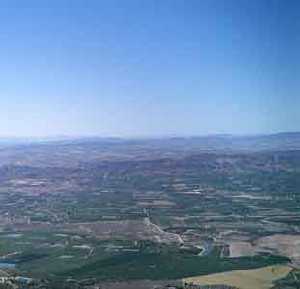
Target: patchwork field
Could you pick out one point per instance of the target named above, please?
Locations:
(74, 216)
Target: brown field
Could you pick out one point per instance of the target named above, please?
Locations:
(287, 245)
(281, 244)
(239, 249)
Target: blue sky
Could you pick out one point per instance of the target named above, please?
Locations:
(148, 67)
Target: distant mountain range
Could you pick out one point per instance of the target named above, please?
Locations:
(160, 146)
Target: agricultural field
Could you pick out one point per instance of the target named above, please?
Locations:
(263, 278)
(150, 212)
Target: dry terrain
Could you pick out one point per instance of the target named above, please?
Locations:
(262, 278)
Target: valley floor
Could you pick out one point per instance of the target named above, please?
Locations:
(262, 278)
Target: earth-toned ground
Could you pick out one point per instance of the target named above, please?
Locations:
(262, 278)
(124, 211)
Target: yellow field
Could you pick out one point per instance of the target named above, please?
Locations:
(244, 279)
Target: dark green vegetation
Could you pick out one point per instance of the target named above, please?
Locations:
(291, 281)
(170, 265)
(62, 256)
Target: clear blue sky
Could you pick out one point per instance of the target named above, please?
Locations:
(147, 67)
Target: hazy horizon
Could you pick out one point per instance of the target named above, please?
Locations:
(149, 68)
(129, 137)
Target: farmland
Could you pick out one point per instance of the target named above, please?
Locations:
(248, 279)
(119, 211)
